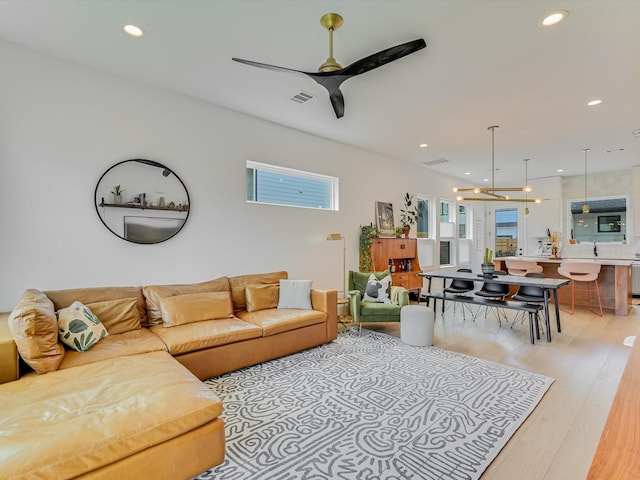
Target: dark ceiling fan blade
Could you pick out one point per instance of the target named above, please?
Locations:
(382, 58)
(266, 66)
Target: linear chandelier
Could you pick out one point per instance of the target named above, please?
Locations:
(490, 192)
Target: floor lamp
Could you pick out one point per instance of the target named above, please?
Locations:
(338, 236)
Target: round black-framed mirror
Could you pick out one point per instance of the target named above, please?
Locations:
(142, 201)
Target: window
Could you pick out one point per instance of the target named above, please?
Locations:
(423, 217)
(506, 232)
(445, 252)
(463, 222)
(426, 231)
(447, 232)
(465, 234)
(285, 186)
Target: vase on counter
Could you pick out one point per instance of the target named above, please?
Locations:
(117, 199)
(488, 269)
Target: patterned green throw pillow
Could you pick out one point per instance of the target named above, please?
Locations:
(79, 328)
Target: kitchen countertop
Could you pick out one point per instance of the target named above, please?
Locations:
(602, 261)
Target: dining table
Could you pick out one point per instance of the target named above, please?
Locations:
(548, 285)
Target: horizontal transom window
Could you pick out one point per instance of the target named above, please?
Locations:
(294, 188)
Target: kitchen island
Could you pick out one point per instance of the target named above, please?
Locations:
(614, 281)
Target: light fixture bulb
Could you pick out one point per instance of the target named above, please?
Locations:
(506, 197)
(455, 189)
(459, 198)
(554, 18)
(538, 200)
(133, 30)
(476, 190)
(526, 211)
(527, 189)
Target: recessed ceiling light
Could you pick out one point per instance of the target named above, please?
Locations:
(133, 30)
(485, 179)
(554, 18)
(560, 170)
(594, 102)
(467, 173)
(423, 145)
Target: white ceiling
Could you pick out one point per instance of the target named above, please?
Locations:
(486, 63)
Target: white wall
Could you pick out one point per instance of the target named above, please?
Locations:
(62, 126)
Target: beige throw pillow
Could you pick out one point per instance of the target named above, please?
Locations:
(118, 316)
(195, 307)
(261, 297)
(153, 294)
(34, 328)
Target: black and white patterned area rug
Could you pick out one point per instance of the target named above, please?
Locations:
(371, 407)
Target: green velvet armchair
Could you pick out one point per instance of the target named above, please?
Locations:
(363, 311)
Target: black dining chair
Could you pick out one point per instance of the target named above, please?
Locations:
(459, 287)
(530, 294)
(494, 291)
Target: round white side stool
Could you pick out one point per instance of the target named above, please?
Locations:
(416, 325)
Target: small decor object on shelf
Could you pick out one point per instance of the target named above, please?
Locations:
(556, 245)
(408, 214)
(487, 263)
(117, 195)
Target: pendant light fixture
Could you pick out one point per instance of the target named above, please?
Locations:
(491, 195)
(527, 188)
(585, 206)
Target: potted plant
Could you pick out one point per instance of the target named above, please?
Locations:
(487, 263)
(398, 232)
(117, 195)
(408, 214)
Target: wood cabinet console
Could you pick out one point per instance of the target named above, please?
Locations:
(403, 252)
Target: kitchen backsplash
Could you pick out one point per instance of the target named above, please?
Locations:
(605, 250)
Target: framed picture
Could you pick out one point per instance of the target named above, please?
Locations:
(384, 219)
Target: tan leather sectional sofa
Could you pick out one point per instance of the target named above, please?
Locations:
(128, 408)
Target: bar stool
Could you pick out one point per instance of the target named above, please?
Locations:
(522, 267)
(582, 272)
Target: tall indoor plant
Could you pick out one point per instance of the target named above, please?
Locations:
(409, 214)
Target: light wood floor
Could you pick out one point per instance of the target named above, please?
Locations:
(559, 439)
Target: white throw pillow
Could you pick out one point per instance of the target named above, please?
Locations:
(79, 328)
(377, 291)
(295, 294)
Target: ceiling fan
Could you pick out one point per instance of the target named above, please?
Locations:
(331, 74)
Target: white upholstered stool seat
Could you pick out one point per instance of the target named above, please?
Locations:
(416, 325)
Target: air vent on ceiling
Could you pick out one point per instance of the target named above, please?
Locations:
(438, 161)
(302, 97)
